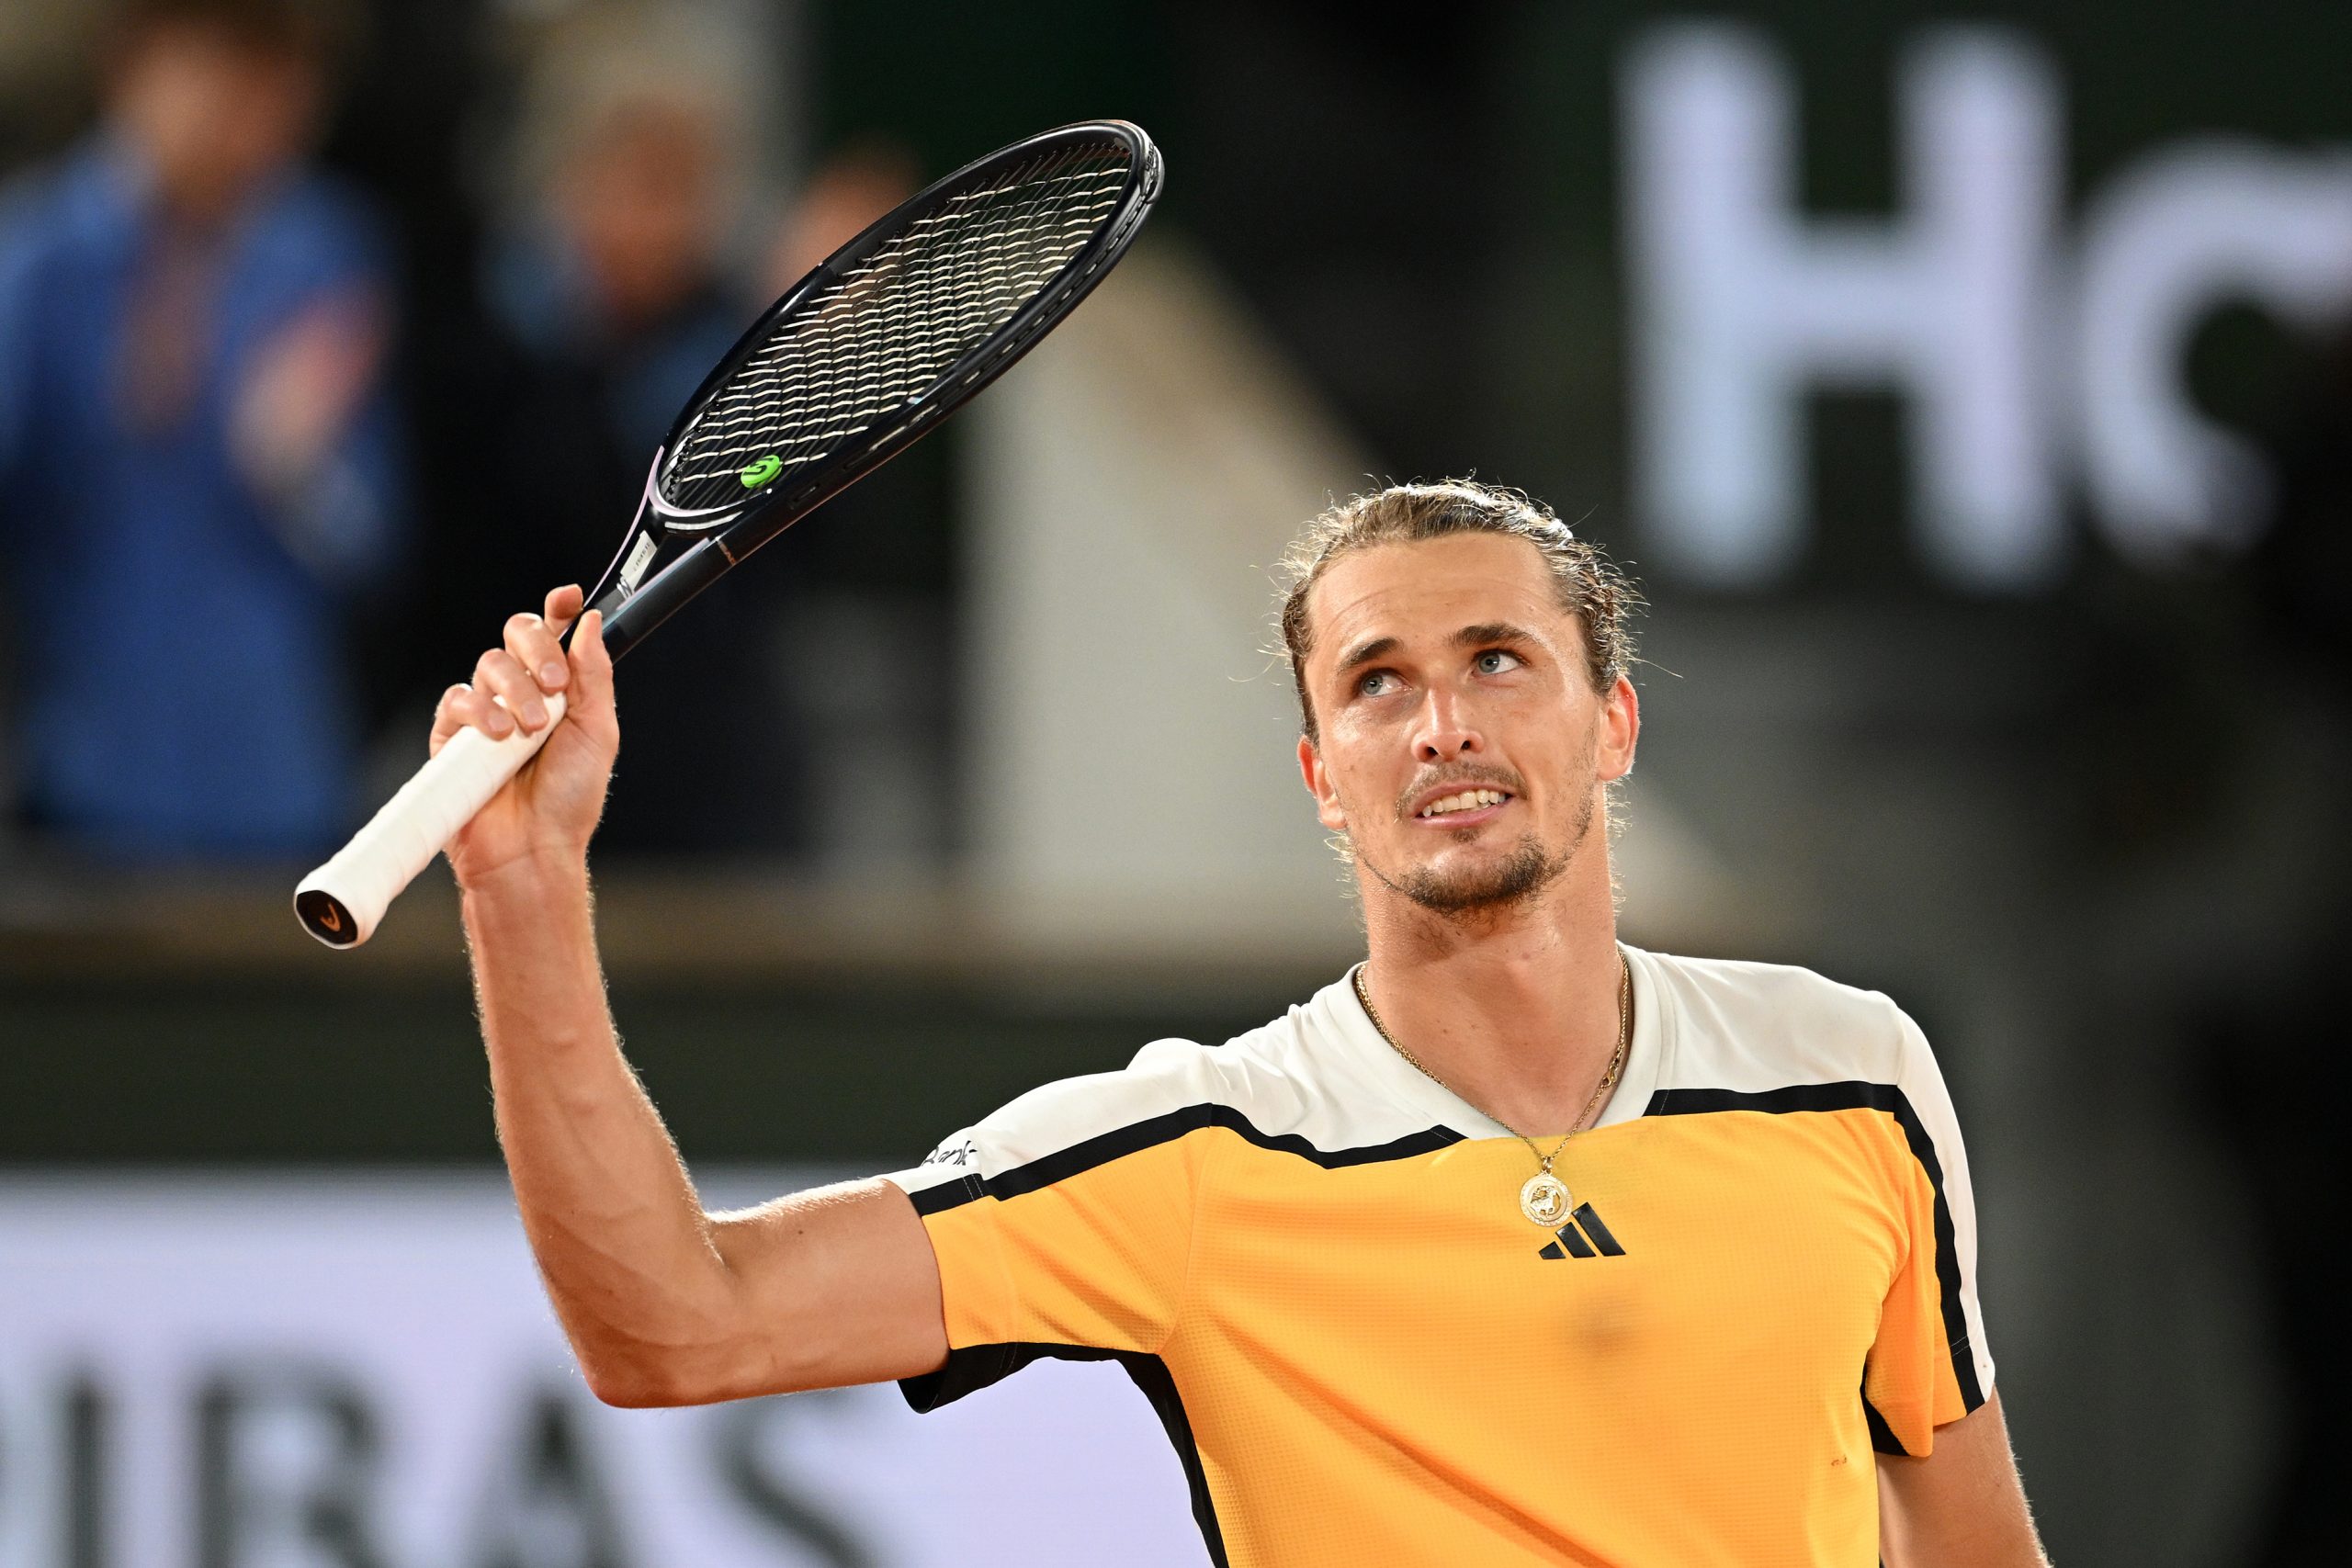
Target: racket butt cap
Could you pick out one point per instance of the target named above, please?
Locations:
(324, 917)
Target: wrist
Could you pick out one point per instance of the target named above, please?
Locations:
(530, 877)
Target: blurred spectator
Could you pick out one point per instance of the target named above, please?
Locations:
(196, 459)
(609, 302)
(848, 191)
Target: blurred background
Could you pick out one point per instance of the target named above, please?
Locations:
(1968, 385)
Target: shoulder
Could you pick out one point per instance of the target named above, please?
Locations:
(21, 241)
(1157, 1095)
(320, 200)
(65, 228)
(1285, 1085)
(52, 210)
(317, 221)
(26, 201)
(1751, 1027)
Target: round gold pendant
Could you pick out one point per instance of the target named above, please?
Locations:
(1544, 1199)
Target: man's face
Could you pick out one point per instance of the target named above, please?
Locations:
(1463, 749)
(217, 117)
(640, 201)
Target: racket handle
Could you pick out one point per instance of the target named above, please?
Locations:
(341, 902)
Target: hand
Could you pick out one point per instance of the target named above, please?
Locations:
(543, 817)
(306, 384)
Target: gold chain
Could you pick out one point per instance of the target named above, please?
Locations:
(1608, 1078)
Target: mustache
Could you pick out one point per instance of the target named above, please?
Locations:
(1502, 779)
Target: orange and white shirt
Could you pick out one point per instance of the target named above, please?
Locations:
(1311, 1257)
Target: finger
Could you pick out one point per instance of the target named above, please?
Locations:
(535, 647)
(469, 708)
(592, 665)
(450, 716)
(499, 673)
(562, 604)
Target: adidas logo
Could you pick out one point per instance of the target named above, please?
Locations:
(1574, 1243)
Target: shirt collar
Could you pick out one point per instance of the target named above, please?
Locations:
(1343, 1016)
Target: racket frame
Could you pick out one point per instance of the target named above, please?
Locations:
(633, 604)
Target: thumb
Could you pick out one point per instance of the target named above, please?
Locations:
(592, 667)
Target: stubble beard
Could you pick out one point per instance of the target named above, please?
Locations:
(1495, 887)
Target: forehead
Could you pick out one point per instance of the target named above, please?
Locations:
(1430, 588)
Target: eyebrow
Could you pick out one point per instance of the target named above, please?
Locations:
(1491, 632)
(1378, 647)
(1479, 636)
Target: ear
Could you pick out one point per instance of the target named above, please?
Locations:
(1620, 727)
(1318, 784)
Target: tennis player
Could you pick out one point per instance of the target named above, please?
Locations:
(1513, 1245)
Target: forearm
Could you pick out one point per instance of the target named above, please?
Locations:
(619, 1234)
(664, 1303)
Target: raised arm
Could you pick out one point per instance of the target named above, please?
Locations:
(664, 1303)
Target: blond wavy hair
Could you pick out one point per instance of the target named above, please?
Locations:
(1589, 586)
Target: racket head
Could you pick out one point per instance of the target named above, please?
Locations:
(899, 327)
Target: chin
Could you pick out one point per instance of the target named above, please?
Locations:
(1506, 877)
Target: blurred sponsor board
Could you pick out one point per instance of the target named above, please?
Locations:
(352, 1373)
(2042, 356)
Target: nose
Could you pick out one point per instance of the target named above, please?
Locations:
(1445, 732)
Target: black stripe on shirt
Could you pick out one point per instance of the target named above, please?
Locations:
(1136, 1136)
(1856, 1096)
(976, 1366)
(1883, 1437)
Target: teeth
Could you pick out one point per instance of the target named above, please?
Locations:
(1468, 800)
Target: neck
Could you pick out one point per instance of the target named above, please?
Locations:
(1514, 1009)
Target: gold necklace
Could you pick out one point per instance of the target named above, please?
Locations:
(1545, 1198)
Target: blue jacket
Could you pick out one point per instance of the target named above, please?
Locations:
(182, 687)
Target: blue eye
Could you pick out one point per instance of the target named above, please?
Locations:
(1369, 686)
(1493, 661)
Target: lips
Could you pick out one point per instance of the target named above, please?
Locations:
(1464, 801)
(1459, 802)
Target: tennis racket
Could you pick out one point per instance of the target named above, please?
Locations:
(888, 336)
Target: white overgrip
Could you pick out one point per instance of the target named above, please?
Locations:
(341, 901)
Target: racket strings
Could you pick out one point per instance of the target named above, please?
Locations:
(857, 316)
(890, 329)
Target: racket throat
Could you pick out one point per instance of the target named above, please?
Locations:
(632, 609)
